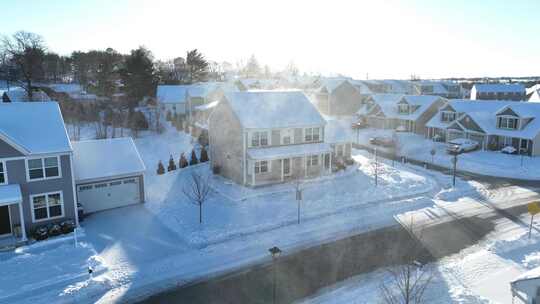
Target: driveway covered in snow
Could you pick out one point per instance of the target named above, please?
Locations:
(131, 235)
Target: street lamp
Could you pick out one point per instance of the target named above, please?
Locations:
(454, 161)
(275, 252)
(376, 168)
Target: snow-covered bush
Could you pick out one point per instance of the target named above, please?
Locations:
(41, 233)
(193, 160)
(182, 163)
(172, 164)
(67, 226)
(54, 230)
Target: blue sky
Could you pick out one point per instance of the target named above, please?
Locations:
(385, 39)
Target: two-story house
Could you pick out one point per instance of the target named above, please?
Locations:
(337, 97)
(493, 124)
(264, 137)
(498, 91)
(405, 113)
(36, 169)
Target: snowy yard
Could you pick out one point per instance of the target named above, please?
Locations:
(491, 163)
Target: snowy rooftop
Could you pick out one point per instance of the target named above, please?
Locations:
(484, 113)
(337, 131)
(36, 127)
(388, 103)
(18, 94)
(288, 151)
(274, 109)
(10, 194)
(66, 87)
(95, 159)
(499, 87)
(172, 93)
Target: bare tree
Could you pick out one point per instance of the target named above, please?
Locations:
(196, 189)
(27, 52)
(409, 281)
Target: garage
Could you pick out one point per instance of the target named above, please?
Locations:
(109, 174)
(478, 138)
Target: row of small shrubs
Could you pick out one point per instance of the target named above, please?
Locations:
(182, 162)
(53, 229)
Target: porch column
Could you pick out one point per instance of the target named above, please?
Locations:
(330, 165)
(23, 228)
(305, 165)
(282, 170)
(321, 163)
(252, 174)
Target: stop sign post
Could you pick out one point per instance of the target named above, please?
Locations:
(533, 208)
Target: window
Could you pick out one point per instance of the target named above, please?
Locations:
(261, 167)
(3, 175)
(312, 160)
(312, 134)
(259, 139)
(47, 206)
(84, 188)
(286, 137)
(130, 181)
(448, 116)
(103, 185)
(403, 109)
(43, 168)
(115, 183)
(507, 123)
(339, 150)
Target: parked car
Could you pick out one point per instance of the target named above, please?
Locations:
(359, 125)
(382, 141)
(509, 150)
(461, 145)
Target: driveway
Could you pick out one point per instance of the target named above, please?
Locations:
(131, 235)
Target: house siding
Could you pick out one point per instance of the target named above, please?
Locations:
(16, 170)
(226, 142)
(420, 124)
(345, 100)
(6, 150)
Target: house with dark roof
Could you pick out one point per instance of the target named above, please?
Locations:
(337, 97)
(264, 137)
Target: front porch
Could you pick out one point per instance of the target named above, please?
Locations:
(281, 164)
(12, 227)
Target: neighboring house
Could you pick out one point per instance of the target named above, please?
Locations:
(36, 172)
(266, 137)
(172, 98)
(204, 93)
(199, 121)
(400, 87)
(20, 95)
(446, 89)
(526, 287)
(337, 97)
(109, 173)
(494, 124)
(498, 91)
(534, 96)
(246, 84)
(405, 113)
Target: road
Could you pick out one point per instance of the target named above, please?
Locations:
(443, 230)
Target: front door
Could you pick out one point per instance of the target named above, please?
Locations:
(5, 223)
(327, 161)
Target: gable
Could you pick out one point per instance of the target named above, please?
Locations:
(7, 150)
(508, 112)
(470, 124)
(455, 126)
(448, 108)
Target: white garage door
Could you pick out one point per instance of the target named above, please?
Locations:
(109, 194)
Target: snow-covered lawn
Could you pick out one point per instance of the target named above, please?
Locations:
(491, 163)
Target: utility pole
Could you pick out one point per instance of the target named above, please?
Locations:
(376, 168)
(454, 160)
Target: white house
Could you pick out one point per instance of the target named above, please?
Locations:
(498, 91)
(172, 98)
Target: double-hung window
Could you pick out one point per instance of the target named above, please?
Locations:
(47, 206)
(312, 134)
(508, 123)
(286, 137)
(259, 139)
(312, 160)
(261, 167)
(448, 116)
(3, 173)
(43, 168)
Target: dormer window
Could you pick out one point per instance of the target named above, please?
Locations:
(403, 108)
(507, 122)
(448, 116)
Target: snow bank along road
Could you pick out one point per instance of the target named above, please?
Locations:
(444, 229)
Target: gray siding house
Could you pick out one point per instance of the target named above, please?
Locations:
(338, 97)
(265, 137)
(36, 171)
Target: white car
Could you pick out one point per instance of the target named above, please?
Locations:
(461, 145)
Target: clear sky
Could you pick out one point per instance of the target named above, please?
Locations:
(387, 39)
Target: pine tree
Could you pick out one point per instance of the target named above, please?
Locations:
(172, 165)
(183, 161)
(193, 160)
(160, 168)
(204, 155)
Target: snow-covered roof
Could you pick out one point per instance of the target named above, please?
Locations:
(531, 274)
(360, 86)
(172, 93)
(499, 87)
(207, 106)
(288, 151)
(35, 127)
(533, 88)
(10, 194)
(484, 114)
(106, 158)
(337, 131)
(18, 94)
(273, 109)
(66, 87)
